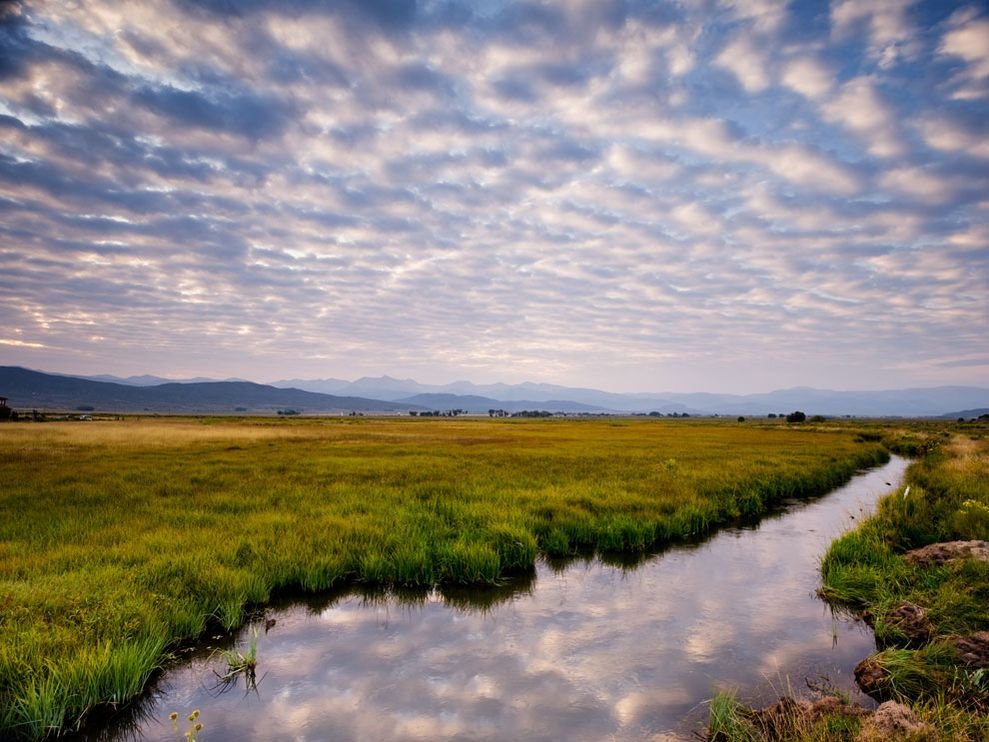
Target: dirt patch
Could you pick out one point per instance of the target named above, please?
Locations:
(783, 719)
(949, 551)
(910, 620)
(893, 720)
(973, 650)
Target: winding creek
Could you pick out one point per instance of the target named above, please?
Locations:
(583, 651)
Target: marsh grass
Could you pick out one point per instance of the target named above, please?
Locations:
(119, 540)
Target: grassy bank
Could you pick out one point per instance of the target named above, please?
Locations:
(118, 540)
(945, 498)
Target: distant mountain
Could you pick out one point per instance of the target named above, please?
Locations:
(967, 414)
(148, 380)
(35, 390)
(381, 387)
(920, 402)
(475, 404)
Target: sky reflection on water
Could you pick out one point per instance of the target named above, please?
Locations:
(586, 651)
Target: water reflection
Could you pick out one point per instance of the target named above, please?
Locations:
(583, 650)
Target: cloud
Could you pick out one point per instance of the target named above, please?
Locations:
(955, 135)
(613, 192)
(859, 108)
(743, 58)
(890, 32)
(920, 183)
(808, 77)
(968, 38)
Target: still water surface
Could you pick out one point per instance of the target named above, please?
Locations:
(582, 651)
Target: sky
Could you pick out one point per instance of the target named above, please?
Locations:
(702, 195)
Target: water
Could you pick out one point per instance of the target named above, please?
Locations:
(585, 651)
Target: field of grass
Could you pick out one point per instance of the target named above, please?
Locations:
(119, 540)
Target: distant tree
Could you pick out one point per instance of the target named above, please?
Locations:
(741, 419)
(796, 417)
(772, 415)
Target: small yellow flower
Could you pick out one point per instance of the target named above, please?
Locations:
(199, 726)
(174, 715)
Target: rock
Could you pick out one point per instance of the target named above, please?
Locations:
(893, 720)
(910, 620)
(949, 551)
(871, 676)
(973, 650)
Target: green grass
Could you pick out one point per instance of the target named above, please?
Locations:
(730, 720)
(120, 540)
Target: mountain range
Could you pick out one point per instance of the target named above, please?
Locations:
(32, 389)
(916, 402)
(27, 389)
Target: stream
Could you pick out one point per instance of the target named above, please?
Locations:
(586, 650)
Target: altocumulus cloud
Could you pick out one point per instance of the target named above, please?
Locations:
(637, 195)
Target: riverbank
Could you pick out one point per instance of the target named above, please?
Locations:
(928, 605)
(121, 540)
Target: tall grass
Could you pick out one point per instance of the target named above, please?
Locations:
(119, 540)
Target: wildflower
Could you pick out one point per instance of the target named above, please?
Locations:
(174, 715)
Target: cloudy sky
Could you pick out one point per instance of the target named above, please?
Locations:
(721, 195)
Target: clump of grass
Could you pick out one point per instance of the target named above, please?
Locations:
(241, 662)
(730, 720)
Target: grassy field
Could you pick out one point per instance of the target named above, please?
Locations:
(120, 539)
